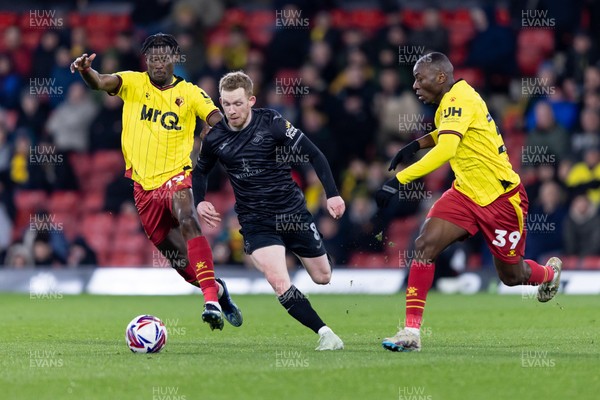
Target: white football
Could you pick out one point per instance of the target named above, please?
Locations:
(146, 334)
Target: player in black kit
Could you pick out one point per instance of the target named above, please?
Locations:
(250, 144)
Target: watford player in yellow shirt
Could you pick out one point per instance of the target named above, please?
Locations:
(487, 194)
(159, 119)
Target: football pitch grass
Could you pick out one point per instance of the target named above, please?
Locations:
(482, 346)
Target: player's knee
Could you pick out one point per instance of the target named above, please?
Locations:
(425, 247)
(189, 225)
(322, 278)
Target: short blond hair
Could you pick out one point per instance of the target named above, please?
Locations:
(234, 80)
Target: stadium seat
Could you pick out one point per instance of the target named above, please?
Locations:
(81, 164)
(64, 201)
(125, 260)
(108, 161)
(533, 47)
(129, 243)
(367, 20)
(128, 224)
(591, 262)
(92, 202)
(473, 76)
(30, 199)
(8, 19)
(68, 223)
(232, 18)
(370, 260)
(412, 18)
(339, 19)
(436, 181)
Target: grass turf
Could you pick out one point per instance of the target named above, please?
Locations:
(474, 347)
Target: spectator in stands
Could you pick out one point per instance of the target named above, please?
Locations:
(547, 138)
(585, 172)
(80, 253)
(278, 51)
(545, 222)
(493, 47)
(43, 253)
(315, 125)
(5, 230)
(582, 228)
(334, 238)
(32, 116)
(362, 228)
(45, 53)
(582, 54)
(69, 123)
(397, 110)
(433, 35)
(321, 58)
(590, 132)
(236, 50)
(10, 83)
(105, 129)
(591, 79)
(324, 31)
(19, 54)
(18, 256)
(125, 52)
(215, 64)
(61, 77)
(193, 55)
(24, 173)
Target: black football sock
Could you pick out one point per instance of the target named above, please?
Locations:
(298, 306)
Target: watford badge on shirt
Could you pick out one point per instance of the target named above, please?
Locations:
(179, 101)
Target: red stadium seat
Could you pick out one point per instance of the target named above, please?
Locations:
(232, 18)
(591, 262)
(125, 260)
(339, 19)
(8, 19)
(64, 201)
(81, 164)
(473, 76)
(92, 202)
(412, 18)
(129, 243)
(367, 20)
(108, 161)
(370, 260)
(128, 224)
(30, 199)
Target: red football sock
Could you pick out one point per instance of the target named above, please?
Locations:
(200, 256)
(189, 274)
(420, 278)
(539, 273)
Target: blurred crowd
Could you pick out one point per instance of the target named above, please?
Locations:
(347, 86)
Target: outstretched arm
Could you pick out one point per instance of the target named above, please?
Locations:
(95, 80)
(441, 153)
(406, 153)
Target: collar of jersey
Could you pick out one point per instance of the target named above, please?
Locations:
(173, 84)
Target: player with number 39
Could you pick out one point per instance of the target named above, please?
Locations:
(486, 196)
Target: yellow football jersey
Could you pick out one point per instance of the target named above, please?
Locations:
(158, 126)
(483, 171)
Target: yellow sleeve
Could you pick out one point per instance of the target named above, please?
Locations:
(203, 104)
(126, 80)
(443, 151)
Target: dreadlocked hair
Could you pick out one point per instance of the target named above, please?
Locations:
(160, 40)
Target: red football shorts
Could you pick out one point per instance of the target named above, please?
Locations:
(502, 222)
(156, 206)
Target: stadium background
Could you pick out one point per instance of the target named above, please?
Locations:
(339, 70)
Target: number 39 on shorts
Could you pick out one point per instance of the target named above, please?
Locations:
(500, 240)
